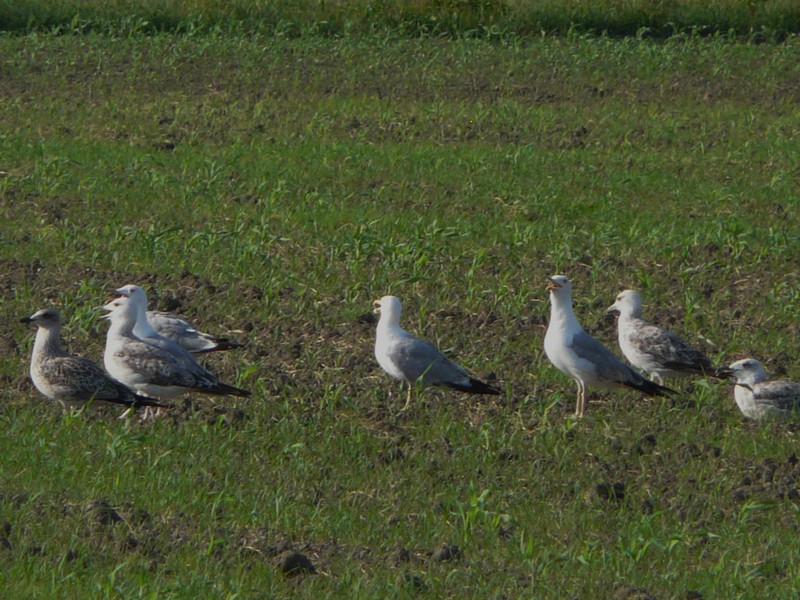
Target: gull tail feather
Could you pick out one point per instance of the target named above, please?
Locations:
(220, 344)
(223, 389)
(703, 369)
(129, 399)
(651, 388)
(475, 386)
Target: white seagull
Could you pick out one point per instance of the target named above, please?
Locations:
(152, 369)
(153, 324)
(68, 379)
(655, 350)
(413, 360)
(759, 398)
(582, 357)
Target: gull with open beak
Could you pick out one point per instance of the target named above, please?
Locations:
(582, 357)
(155, 370)
(413, 360)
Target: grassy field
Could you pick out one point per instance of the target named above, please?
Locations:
(488, 19)
(273, 187)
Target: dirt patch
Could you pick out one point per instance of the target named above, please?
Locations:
(294, 563)
(446, 553)
(770, 479)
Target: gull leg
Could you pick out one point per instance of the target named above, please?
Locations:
(581, 403)
(408, 399)
(150, 413)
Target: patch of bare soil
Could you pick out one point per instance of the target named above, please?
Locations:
(770, 479)
(213, 412)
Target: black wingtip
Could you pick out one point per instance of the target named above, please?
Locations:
(651, 388)
(476, 386)
(229, 390)
(701, 366)
(220, 345)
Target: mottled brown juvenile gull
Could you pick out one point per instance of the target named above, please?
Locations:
(413, 360)
(759, 398)
(68, 379)
(655, 350)
(582, 357)
(152, 325)
(150, 369)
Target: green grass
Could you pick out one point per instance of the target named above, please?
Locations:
(489, 19)
(277, 186)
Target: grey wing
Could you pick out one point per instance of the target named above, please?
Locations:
(185, 335)
(668, 349)
(176, 329)
(80, 379)
(417, 358)
(168, 325)
(784, 395)
(607, 366)
(158, 367)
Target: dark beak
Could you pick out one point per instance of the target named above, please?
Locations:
(26, 320)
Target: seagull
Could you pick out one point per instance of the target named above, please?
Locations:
(152, 324)
(655, 350)
(759, 398)
(413, 360)
(68, 379)
(187, 336)
(155, 370)
(582, 357)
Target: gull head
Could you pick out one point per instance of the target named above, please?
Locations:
(559, 285)
(120, 308)
(138, 300)
(627, 304)
(47, 318)
(748, 371)
(136, 294)
(388, 308)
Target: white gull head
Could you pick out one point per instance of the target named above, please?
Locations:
(138, 298)
(389, 309)
(121, 313)
(748, 371)
(559, 286)
(628, 304)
